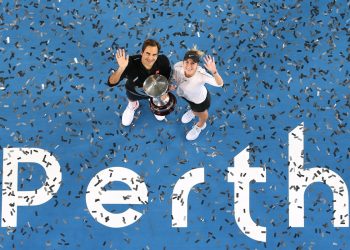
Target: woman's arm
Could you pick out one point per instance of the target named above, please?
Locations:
(211, 66)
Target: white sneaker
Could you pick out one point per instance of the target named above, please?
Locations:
(194, 132)
(128, 114)
(187, 117)
(160, 117)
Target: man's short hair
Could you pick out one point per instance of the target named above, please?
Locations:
(150, 42)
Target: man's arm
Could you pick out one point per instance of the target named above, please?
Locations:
(114, 78)
(174, 78)
(166, 67)
(122, 60)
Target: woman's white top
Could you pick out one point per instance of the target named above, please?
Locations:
(192, 88)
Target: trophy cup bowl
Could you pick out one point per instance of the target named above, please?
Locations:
(162, 103)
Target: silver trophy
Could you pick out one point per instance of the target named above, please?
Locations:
(162, 102)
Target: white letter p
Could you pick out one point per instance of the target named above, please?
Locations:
(11, 197)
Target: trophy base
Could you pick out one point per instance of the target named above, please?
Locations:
(165, 109)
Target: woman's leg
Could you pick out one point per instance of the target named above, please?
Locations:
(196, 130)
(203, 117)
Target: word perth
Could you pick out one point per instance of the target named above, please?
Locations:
(241, 175)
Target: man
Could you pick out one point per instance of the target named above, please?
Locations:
(136, 69)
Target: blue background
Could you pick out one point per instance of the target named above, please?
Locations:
(283, 63)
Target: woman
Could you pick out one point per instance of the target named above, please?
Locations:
(190, 79)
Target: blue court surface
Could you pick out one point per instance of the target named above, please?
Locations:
(284, 63)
